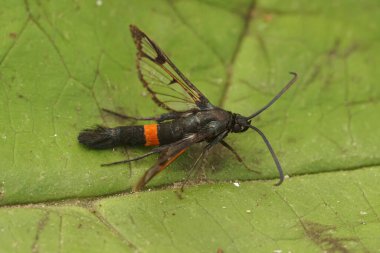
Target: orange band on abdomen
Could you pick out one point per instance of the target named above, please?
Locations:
(151, 136)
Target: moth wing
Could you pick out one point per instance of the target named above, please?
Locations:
(168, 87)
(168, 154)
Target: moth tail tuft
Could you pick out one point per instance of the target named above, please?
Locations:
(99, 137)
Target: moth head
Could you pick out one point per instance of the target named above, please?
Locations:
(240, 124)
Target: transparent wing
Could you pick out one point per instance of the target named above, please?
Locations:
(168, 153)
(169, 88)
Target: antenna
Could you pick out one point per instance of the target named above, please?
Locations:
(277, 96)
(272, 153)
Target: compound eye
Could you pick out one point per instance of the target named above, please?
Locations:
(237, 128)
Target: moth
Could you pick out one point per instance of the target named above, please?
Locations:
(190, 118)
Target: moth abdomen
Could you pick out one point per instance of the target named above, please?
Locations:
(103, 138)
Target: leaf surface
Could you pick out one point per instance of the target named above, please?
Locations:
(61, 62)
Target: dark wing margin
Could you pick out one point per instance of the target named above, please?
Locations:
(168, 87)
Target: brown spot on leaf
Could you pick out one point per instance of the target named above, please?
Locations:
(268, 17)
(323, 236)
(13, 35)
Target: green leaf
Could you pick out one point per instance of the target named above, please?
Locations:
(61, 62)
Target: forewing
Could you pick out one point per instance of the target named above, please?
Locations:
(168, 154)
(169, 88)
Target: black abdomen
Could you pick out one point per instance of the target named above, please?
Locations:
(148, 135)
(102, 138)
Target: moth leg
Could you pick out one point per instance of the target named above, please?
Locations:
(132, 159)
(237, 156)
(194, 166)
(163, 117)
(212, 143)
